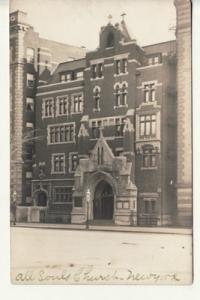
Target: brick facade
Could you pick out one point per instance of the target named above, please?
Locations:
(139, 168)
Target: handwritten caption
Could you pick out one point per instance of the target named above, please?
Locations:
(88, 274)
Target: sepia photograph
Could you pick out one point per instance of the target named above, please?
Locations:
(101, 183)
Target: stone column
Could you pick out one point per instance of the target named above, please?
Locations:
(184, 137)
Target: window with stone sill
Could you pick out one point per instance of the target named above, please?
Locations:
(149, 159)
(73, 161)
(117, 67)
(77, 103)
(58, 163)
(147, 126)
(48, 108)
(149, 92)
(61, 133)
(97, 71)
(30, 80)
(29, 104)
(96, 97)
(62, 106)
(121, 95)
(124, 65)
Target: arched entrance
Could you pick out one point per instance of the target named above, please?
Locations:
(41, 198)
(103, 201)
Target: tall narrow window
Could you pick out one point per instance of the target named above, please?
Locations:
(94, 71)
(97, 99)
(117, 95)
(124, 95)
(152, 92)
(117, 67)
(29, 104)
(48, 107)
(124, 65)
(77, 101)
(30, 55)
(73, 161)
(62, 106)
(100, 156)
(146, 93)
(30, 80)
(100, 70)
(110, 40)
(94, 130)
(119, 126)
(149, 92)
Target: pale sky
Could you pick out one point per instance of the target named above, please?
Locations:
(78, 22)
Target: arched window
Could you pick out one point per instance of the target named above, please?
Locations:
(96, 96)
(117, 95)
(124, 95)
(110, 40)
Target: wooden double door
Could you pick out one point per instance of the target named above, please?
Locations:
(103, 205)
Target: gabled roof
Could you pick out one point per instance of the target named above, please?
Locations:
(71, 65)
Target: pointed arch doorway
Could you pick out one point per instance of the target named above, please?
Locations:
(103, 205)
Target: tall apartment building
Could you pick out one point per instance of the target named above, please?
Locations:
(32, 60)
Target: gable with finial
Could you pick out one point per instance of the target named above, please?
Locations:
(102, 148)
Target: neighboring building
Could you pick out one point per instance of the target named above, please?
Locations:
(108, 123)
(32, 60)
(184, 112)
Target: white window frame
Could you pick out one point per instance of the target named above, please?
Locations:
(58, 99)
(73, 112)
(70, 161)
(44, 100)
(61, 125)
(53, 171)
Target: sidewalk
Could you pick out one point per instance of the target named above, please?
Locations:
(114, 228)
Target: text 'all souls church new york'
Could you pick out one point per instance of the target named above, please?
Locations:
(103, 135)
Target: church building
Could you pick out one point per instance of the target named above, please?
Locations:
(106, 135)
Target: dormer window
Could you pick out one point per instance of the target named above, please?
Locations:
(110, 40)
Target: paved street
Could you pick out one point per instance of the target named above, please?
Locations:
(71, 256)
